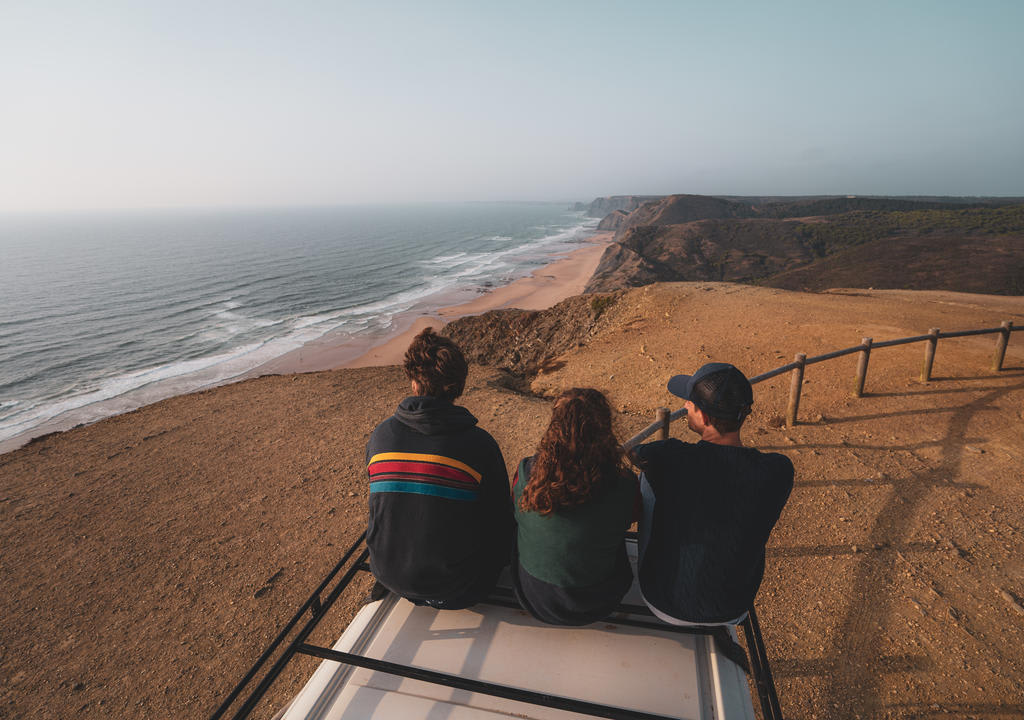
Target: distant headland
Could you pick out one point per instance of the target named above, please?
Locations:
(964, 244)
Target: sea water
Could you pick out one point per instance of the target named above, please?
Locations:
(104, 312)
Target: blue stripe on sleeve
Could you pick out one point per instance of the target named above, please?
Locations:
(422, 489)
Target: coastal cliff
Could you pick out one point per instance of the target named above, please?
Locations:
(627, 203)
(846, 242)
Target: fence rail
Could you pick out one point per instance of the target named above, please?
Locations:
(665, 418)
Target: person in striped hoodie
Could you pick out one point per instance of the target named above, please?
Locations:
(440, 527)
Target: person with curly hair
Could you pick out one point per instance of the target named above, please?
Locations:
(574, 501)
(440, 527)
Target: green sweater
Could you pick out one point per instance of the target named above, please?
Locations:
(578, 546)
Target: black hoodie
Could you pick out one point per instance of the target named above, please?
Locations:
(440, 513)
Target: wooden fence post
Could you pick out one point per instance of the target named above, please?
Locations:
(929, 354)
(664, 417)
(796, 384)
(1001, 341)
(862, 367)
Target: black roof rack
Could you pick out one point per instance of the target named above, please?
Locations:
(292, 641)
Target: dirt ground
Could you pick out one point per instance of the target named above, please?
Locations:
(149, 558)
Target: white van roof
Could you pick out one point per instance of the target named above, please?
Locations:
(629, 662)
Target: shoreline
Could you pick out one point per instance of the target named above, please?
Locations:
(544, 287)
(564, 277)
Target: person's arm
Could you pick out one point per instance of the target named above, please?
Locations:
(634, 458)
(497, 503)
(647, 457)
(638, 501)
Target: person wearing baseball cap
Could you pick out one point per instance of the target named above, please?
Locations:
(708, 506)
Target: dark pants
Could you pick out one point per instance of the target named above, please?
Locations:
(472, 595)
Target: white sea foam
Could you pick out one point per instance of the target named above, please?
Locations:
(263, 337)
(444, 259)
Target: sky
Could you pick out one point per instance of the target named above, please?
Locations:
(251, 103)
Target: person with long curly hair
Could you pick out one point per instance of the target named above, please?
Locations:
(574, 501)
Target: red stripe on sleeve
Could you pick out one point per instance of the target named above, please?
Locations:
(421, 468)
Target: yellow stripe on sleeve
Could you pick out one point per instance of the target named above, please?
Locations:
(422, 457)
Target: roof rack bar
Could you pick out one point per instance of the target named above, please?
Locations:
(478, 686)
(611, 619)
(300, 639)
(763, 679)
(312, 602)
(758, 658)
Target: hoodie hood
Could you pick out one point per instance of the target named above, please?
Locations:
(433, 416)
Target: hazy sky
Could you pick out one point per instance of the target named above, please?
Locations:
(136, 104)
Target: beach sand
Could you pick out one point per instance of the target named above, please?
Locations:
(543, 288)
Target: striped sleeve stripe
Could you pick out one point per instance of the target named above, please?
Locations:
(384, 477)
(434, 470)
(426, 458)
(422, 489)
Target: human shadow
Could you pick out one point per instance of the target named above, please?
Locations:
(870, 603)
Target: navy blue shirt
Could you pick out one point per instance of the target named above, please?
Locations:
(714, 508)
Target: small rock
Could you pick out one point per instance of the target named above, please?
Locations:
(1012, 600)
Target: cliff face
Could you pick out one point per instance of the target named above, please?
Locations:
(613, 220)
(737, 251)
(921, 246)
(676, 209)
(628, 203)
(523, 342)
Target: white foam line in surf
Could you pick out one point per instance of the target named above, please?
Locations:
(195, 374)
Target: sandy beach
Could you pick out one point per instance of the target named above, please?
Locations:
(541, 289)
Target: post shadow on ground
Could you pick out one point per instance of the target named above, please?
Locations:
(870, 602)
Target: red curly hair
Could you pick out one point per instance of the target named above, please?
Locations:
(575, 454)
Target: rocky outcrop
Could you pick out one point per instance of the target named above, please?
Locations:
(676, 209)
(623, 267)
(525, 342)
(730, 250)
(627, 203)
(613, 220)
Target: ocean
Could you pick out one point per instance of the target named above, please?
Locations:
(101, 313)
